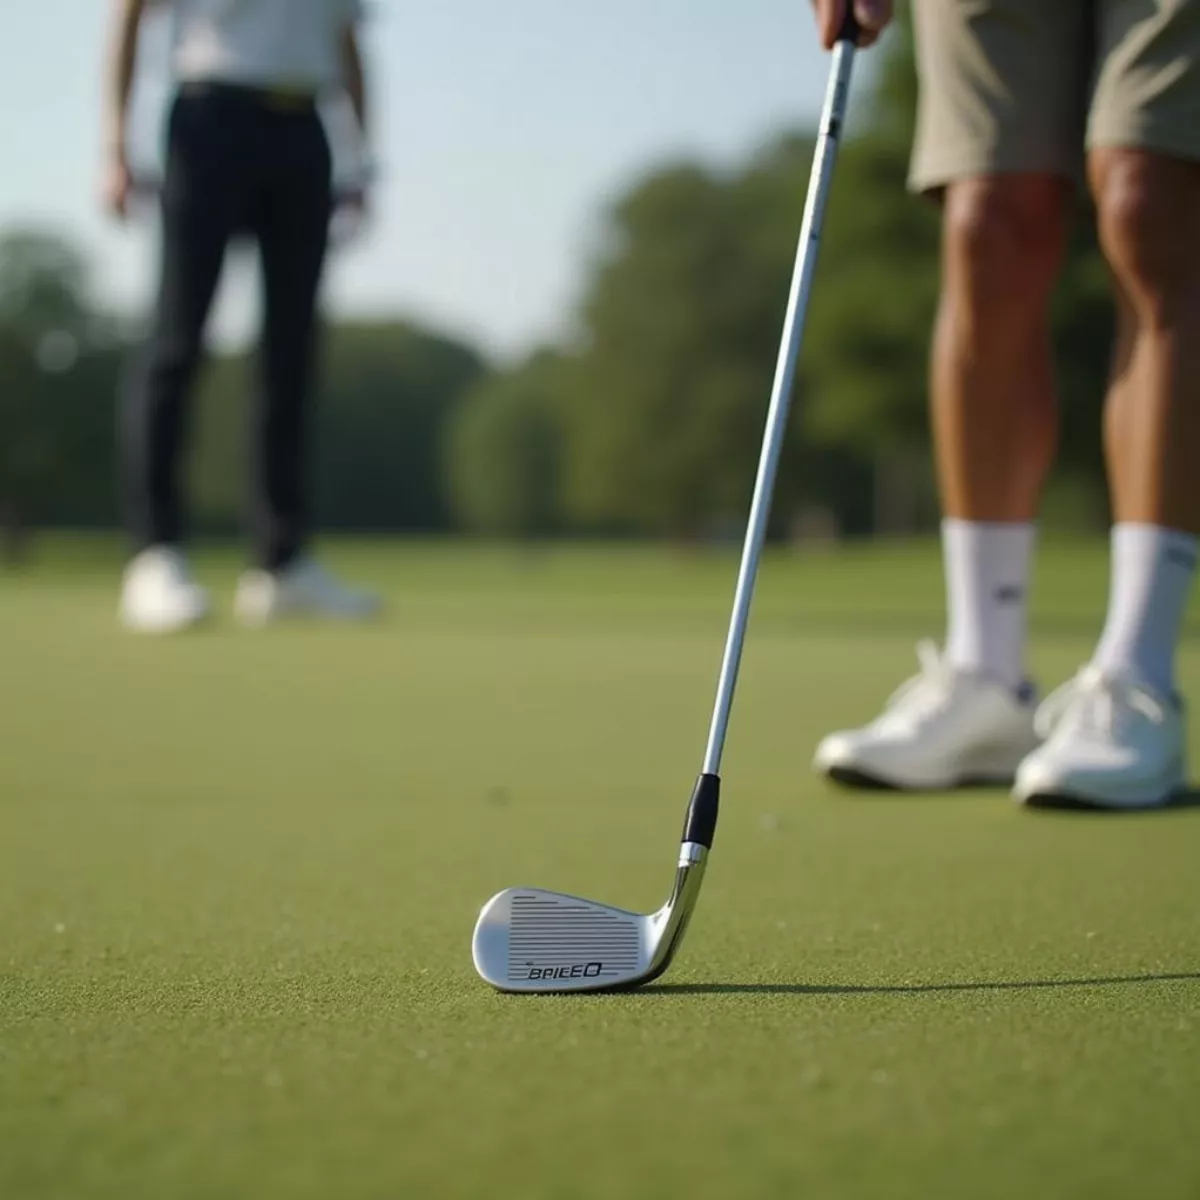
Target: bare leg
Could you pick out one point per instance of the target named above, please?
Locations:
(1149, 212)
(1149, 215)
(992, 389)
(992, 371)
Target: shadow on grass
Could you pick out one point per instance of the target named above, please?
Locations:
(1063, 806)
(862, 790)
(908, 989)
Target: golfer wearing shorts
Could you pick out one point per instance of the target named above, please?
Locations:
(246, 155)
(1019, 99)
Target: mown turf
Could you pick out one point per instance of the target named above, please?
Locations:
(238, 876)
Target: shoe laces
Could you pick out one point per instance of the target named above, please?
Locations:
(1097, 702)
(927, 692)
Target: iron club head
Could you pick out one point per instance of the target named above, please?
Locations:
(533, 940)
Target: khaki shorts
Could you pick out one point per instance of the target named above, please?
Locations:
(1025, 85)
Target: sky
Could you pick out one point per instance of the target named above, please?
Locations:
(502, 130)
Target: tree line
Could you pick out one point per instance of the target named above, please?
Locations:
(644, 422)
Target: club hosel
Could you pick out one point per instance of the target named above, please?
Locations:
(701, 821)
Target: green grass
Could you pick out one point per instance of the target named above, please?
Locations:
(238, 876)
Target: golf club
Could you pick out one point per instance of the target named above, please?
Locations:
(532, 940)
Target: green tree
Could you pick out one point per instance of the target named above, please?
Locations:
(80, 402)
(387, 394)
(58, 365)
(43, 286)
(681, 319)
(874, 304)
(505, 451)
(392, 391)
(27, 458)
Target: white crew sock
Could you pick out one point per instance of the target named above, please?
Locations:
(987, 582)
(1151, 576)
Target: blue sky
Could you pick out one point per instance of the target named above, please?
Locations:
(502, 130)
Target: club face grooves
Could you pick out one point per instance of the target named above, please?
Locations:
(550, 933)
(532, 940)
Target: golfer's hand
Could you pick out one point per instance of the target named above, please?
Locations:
(355, 200)
(873, 16)
(116, 189)
(351, 214)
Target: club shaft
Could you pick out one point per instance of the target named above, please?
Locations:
(781, 393)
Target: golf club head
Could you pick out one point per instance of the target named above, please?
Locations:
(533, 940)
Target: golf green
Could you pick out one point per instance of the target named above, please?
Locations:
(239, 873)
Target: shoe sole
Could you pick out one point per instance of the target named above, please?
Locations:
(1062, 802)
(1066, 802)
(1171, 790)
(848, 777)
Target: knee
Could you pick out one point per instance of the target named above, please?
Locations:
(1146, 213)
(1003, 239)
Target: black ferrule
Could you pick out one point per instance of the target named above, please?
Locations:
(701, 820)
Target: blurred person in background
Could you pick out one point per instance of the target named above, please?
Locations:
(1018, 99)
(246, 154)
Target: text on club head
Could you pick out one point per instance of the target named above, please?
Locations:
(578, 971)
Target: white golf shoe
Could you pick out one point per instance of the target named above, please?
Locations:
(158, 594)
(302, 589)
(1111, 742)
(944, 728)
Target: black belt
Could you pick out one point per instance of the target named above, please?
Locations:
(278, 98)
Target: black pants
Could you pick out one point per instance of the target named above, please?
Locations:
(237, 163)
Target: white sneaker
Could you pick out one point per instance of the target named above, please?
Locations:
(944, 728)
(1111, 742)
(158, 594)
(305, 588)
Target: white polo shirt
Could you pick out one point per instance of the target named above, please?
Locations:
(280, 43)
